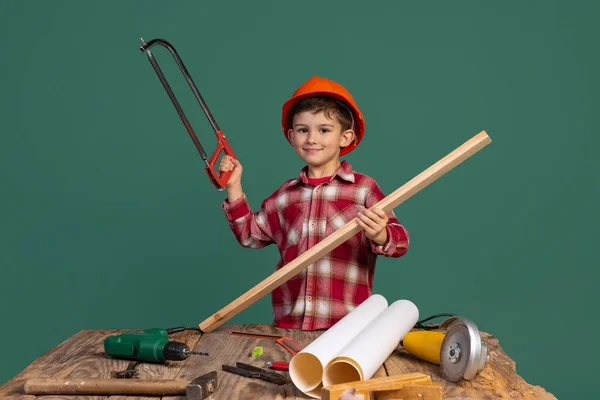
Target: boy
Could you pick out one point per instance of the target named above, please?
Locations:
(322, 122)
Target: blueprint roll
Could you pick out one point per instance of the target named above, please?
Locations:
(366, 352)
(307, 367)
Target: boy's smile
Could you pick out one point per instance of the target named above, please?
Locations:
(317, 139)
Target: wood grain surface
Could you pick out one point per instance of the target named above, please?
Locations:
(81, 356)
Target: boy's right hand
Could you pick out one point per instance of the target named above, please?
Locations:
(227, 164)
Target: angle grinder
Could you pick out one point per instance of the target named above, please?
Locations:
(456, 347)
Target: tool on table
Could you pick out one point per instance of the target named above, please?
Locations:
(150, 345)
(415, 386)
(129, 373)
(457, 347)
(219, 181)
(257, 351)
(251, 371)
(285, 341)
(278, 365)
(198, 389)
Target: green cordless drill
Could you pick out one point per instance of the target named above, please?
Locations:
(150, 345)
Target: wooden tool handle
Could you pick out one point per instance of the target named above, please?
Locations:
(105, 386)
(338, 237)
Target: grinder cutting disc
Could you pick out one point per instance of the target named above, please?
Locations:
(463, 352)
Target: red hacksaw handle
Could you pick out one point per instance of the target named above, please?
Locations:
(289, 344)
(222, 145)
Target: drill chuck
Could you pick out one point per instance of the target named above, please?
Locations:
(176, 351)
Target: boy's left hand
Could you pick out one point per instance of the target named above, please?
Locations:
(373, 222)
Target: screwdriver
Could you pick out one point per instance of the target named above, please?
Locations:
(278, 365)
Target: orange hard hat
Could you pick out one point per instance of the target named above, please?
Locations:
(317, 86)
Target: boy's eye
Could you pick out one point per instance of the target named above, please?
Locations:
(304, 130)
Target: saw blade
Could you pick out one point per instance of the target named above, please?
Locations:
(454, 358)
(463, 353)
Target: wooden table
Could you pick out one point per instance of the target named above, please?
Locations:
(81, 356)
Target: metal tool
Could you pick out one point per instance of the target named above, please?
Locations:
(219, 181)
(278, 365)
(198, 389)
(285, 341)
(129, 373)
(457, 347)
(250, 371)
(150, 345)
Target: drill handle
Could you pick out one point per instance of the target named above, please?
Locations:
(115, 347)
(140, 346)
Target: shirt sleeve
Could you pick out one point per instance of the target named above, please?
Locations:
(397, 235)
(251, 229)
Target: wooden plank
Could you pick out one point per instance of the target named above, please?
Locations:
(310, 256)
(363, 388)
(228, 349)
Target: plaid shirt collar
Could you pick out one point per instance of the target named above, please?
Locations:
(345, 172)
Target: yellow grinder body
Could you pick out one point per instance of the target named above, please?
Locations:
(426, 345)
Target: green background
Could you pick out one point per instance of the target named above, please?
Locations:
(109, 220)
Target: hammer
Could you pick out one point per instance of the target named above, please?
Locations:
(198, 389)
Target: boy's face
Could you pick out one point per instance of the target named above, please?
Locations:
(317, 139)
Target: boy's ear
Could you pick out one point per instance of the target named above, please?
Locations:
(347, 137)
(289, 135)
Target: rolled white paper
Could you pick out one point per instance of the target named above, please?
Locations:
(306, 367)
(362, 356)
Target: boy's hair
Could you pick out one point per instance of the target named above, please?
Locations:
(328, 105)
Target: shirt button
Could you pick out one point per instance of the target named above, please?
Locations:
(308, 298)
(312, 224)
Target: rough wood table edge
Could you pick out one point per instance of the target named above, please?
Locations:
(499, 378)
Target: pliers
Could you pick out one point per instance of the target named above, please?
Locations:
(251, 371)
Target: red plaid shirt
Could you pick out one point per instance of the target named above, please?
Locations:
(297, 216)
